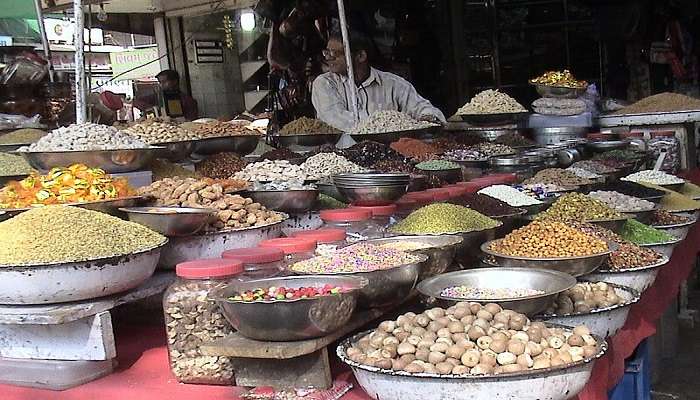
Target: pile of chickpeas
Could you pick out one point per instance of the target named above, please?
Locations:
(470, 339)
(548, 239)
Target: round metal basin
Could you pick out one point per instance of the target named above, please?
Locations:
(241, 144)
(556, 383)
(74, 281)
(678, 230)
(551, 283)
(576, 266)
(372, 195)
(288, 201)
(559, 92)
(289, 320)
(176, 151)
(212, 244)
(441, 252)
(639, 279)
(664, 248)
(306, 140)
(171, 221)
(603, 322)
(112, 161)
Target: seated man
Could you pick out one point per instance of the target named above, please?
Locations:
(376, 90)
(169, 81)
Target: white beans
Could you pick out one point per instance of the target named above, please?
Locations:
(268, 170)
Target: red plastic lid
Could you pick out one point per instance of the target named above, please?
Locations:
(323, 235)
(254, 255)
(635, 134)
(291, 245)
(404, 203)
(209, 268)
(379, 211)
(663, 134)
(473, 187)
(421, 197)
(457, 191)
(346, 215)
(442, 195)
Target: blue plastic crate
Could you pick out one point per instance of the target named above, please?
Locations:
(636, 383)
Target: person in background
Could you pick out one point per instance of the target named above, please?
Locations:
(376, 90)
(179, 104)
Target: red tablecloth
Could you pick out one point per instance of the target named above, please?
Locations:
(143, 367)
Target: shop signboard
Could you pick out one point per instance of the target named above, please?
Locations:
(135, 64)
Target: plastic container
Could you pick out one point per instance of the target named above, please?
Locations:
(666, 142)
(295, 248)
(328, 240)
(636, 383)
(52, 374)
(192, 319)
(383, 216)
(258, 262)
(356, 222)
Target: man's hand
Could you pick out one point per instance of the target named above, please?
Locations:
(430, 118)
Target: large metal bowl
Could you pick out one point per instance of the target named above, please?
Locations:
(494, 118)
(614, 225)
(287, 201)
(554, 383)
(678, 230)
(171, 221)
(390, 137)
(664, 248)
(112, 161)
(306, 140)
(607, 145)
(330, 190)
(641, 216)
(576, 266)
(176, 151)
(241, 144)
(551, 283)
(74, 281)
(639, 279)
(372, 195)
(441, 252)
(559, 92)
(387, 287)
(110, 207)
(603, 322)
(289, 320)
(212, 244)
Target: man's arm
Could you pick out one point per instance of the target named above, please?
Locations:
(330, 106)
(415, 105)
(144, 102)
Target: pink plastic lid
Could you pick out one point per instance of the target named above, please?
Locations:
(346, 215)
(404, 203)
(420, 197)
(209, 268)
(457, 191)
(472, 187)
(323, 235)
(441, 195)
(255, 255)
(379, 211)
(663, 134)
(290, 245)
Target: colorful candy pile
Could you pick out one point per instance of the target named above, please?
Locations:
(274, 293)
(361, 257)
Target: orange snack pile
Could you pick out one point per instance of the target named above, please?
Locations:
(75, 184)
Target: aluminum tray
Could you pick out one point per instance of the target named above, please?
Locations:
(73, 281)
(603, 322)
(212, 244)
(639, 279)
(112, 161)
(554, 383)
(662, 118)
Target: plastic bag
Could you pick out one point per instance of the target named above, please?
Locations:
(18, 121)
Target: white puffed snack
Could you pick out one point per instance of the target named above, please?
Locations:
(328, 164)
(491, 102)
(512, 196)
(85, 137)
(653, 177)
(389, 121)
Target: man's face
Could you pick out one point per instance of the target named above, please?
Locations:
(335, 57)
(167, 84)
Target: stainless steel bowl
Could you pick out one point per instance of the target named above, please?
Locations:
(559, 92)
(112, 161)
(387, 287)
(171, 221)
(678, 230)
(494, 119)
(664, 248)
(110, 207)
(639, 279)
(372, 196)
(176, 151)
(576, 266)
(614, 225)
(306, 140)
(288, 201)
(390, 137)
(603, 322)
(554, 383)
(329, 189)
(551, 283)
(641, 216)
(241, 144)
(441, 252)
(290, 320)
(607, 145)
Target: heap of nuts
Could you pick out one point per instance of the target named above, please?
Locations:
(221, 165)
(191, 320)
(585, 297)
(233, 211)
(153, 132)
(470, 339)
(547, 240)
(627, 255)
(221, 129)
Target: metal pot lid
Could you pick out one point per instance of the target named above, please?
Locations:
(508, 160)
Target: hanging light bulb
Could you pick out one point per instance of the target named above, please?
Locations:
(102, 14)
(247, 20)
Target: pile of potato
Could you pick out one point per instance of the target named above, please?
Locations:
(585, 297)
(470, 339)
